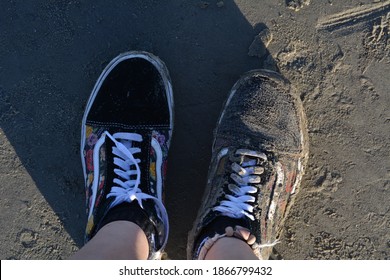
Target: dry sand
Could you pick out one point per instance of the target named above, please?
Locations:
(336, 53)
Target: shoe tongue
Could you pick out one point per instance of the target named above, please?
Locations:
(156, 226)
(246, 161)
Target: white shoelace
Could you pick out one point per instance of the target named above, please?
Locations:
(238, 204)
(126, 187)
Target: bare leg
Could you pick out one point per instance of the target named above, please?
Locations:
(230, 248)
(117, 240)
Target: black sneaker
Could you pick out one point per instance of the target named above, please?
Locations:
(125, 136)
(258, 158)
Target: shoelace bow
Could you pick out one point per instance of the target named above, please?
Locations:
(246, 173)
(126, 187)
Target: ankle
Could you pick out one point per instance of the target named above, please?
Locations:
(230, 248)
(116, 240)
(221, 228)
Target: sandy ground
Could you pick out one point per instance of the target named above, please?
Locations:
(336, 53)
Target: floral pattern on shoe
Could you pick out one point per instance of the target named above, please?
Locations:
(92, 135)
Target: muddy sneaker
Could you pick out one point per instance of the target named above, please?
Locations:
(258, 158)
(125, 136)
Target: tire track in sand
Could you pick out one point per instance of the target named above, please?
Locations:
(353, 16)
